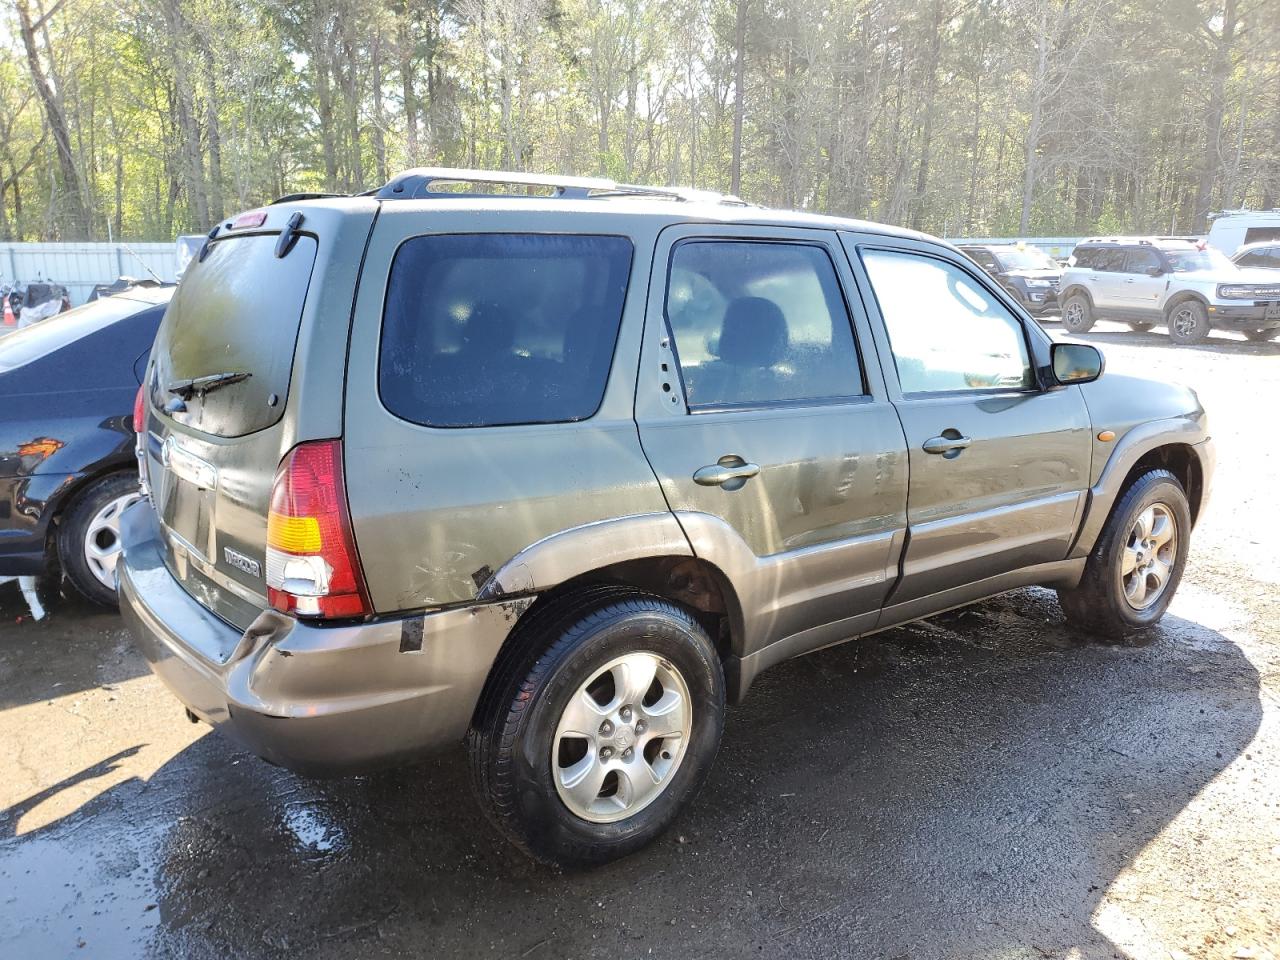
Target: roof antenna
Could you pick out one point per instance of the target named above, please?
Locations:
(129, 250)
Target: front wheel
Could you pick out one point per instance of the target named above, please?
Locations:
(1262, 336)
(1077, 314)
(1136, 565)
(1189, 323)
(601, 721)
(89, 535)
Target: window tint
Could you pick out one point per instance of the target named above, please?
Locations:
(1083, 257)
(237, 312)
(1259, 258)
(947, 331)
(491, 329)
(1109, 260)
(759, 322)
(1140, 261)
(984, 258)
(1254, 234)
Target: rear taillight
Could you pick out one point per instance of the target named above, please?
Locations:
(312, 567)
(140, 410)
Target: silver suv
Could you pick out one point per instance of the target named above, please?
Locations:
(1177, 281)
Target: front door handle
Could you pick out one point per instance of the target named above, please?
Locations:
(947, 446)
(729, 472)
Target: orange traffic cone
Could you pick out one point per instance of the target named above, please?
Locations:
(9, 319)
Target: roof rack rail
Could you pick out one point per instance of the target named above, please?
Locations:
(435, 183)
(295, 197)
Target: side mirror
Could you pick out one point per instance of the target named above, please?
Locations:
(1155, 271)
(1076, 362)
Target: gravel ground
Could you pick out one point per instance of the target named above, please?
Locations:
(984, 784)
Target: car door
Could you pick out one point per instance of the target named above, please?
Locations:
(770, 432)
(1138, 289)
(999, 464)
(1106, 283)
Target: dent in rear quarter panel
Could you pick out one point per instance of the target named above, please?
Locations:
(436, 511)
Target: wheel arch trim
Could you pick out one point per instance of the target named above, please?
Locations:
(1137, 443)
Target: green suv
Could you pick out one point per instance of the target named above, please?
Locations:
(556, 467)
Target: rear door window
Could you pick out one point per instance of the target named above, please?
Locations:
(758, 323)
(501, 329)
(1140, 261)
(238, 312)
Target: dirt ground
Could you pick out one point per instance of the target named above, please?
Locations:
(986, 784)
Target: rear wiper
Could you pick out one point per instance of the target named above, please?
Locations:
(199, 386)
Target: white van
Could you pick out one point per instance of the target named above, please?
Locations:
(1232, 229)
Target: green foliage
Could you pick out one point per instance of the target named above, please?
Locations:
(979, 117)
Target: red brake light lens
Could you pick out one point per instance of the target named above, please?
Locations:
(312, 566)
(140, 410)
(249, 220)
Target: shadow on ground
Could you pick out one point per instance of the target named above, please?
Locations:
(967, 786)
(77, 646)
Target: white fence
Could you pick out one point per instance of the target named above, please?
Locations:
(79, 266)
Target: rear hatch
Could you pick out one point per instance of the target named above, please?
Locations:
(226, 398)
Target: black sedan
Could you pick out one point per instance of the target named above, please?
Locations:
(67, 463)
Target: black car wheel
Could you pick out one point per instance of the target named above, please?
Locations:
(600, 722)
(1188, 322)
(1136, 565)
(1077, 314)
(89, 536)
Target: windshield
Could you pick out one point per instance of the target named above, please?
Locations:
(1027, 258)
(1185, 261)
(40, 339)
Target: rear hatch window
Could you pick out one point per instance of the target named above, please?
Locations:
(226, 345)
(494, 329)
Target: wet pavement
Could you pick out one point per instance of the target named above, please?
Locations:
(984, 784)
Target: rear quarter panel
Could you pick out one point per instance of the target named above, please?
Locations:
(437, 511)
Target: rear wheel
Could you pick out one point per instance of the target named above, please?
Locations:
(1141, 326)
(601, 721)
(1136, 565)
(89, 537)
(1077, 314)
(1188, 322)
(1261, 336)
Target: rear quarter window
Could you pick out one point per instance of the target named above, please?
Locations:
(501, 329)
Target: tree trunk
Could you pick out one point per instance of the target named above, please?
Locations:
(739, 103)
(77, 214)
(1211, 159)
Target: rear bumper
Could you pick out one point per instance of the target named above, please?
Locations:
(320, 700)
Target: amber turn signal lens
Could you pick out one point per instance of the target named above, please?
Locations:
(1106, 436)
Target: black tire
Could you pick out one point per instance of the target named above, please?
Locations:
(1099, 604)
(1077, 314)
(556, 649)
(1188, 322)
(1262, 336)
(74, 531)
(1141, 326)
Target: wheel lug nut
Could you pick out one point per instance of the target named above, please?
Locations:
(627, 754)
(640, 725)
(606, 729)
(606, 753)
(625, 714)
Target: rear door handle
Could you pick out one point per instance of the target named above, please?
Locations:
(946, 445)
(729, 472)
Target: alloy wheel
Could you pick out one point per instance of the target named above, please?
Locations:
(621, 737)
(1150, 552)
